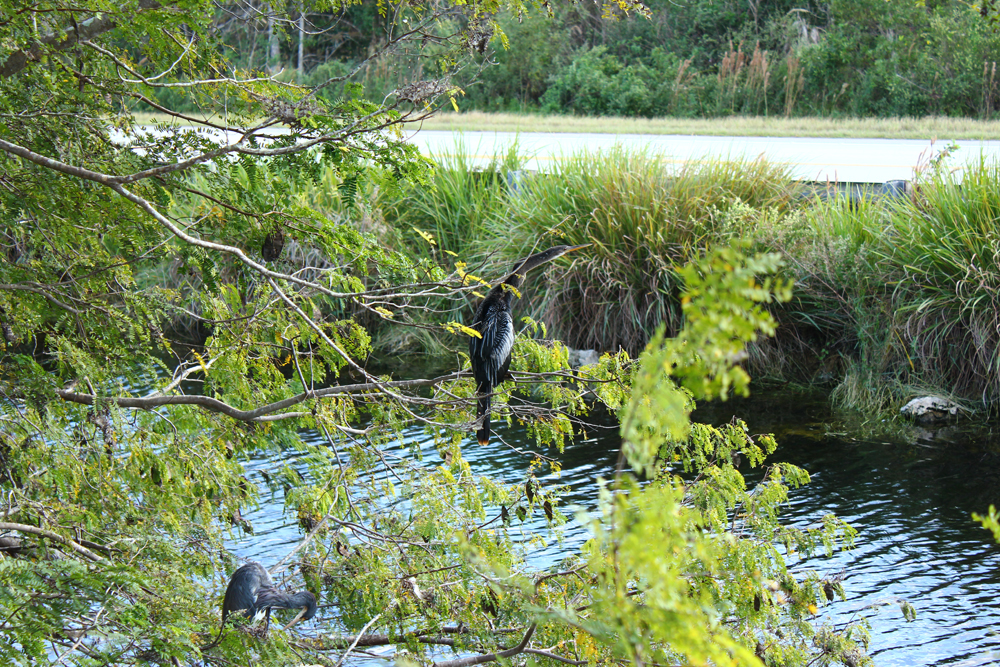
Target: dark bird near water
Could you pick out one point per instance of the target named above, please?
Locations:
(252, 594)
(490, 354)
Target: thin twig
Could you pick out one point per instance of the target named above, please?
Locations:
(356, 640)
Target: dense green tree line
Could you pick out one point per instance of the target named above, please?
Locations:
(695, 59)
(846, 57)
(716, 58)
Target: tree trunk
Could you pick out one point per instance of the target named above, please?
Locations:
(302, 35)
(273, 54)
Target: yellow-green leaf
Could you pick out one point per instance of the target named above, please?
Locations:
(456, 327)
(427, 237)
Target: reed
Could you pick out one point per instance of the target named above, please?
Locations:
(794, 82)
(456, 207)
(944, 242)
(989, 88)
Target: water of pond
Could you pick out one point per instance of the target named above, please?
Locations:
(910, 502)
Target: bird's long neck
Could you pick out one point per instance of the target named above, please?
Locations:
(302, 600)
(521, 269)
(515, 279)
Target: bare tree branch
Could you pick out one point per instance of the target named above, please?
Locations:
(356, 640)
(257, 414)
(490, 657)
(64, 40)
(21, 287)
(554, 656)
(79, 548)
(551, 575)
(179, 84)
(332, 642)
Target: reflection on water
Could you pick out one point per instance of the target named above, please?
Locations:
(909, 502)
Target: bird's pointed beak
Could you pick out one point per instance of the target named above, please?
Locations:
(577, 247)
(302, 612)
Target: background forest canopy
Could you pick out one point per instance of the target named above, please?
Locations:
(865, 58)
(179, 305)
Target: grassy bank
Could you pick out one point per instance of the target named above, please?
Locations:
(736, 126)
(934, 127)
(893, 296)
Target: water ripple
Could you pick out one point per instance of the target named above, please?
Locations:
(910, 504)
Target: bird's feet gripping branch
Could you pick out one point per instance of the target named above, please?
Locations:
(490, 352)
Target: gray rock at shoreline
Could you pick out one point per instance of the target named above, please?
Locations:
(579, 358)
(931, 410)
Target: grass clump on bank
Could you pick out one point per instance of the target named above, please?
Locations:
(898, 297)
(643, 217)
(944, 243)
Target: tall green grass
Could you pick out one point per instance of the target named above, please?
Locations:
(457, 210)
(643, 217)
(898, 297)
(945, 245)
(839, 293)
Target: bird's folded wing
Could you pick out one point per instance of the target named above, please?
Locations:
(495, 347)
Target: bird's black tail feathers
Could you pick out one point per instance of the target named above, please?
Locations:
(483, 410)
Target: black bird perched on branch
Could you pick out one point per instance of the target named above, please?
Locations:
(251, 592)
(490, 354)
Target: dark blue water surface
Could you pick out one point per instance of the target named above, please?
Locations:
(909, 497)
